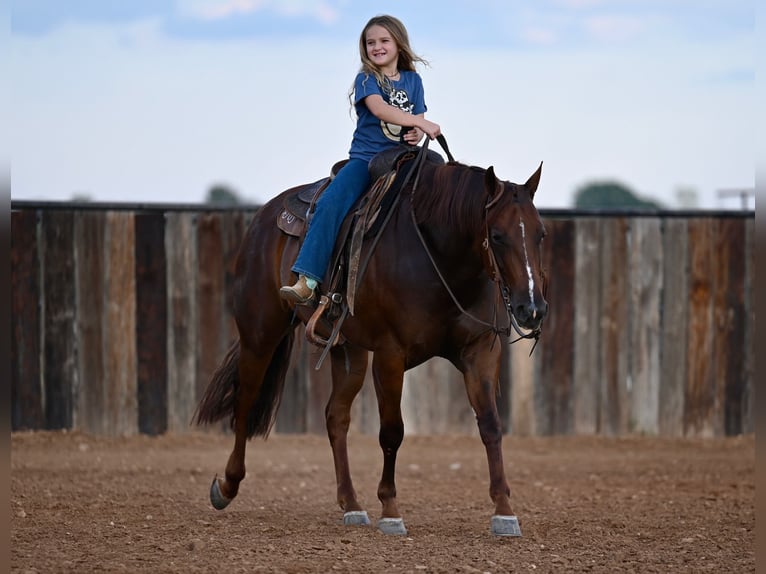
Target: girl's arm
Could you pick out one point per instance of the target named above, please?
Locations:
(388, 113)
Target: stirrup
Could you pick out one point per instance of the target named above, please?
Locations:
(311, 334)
(335, 337)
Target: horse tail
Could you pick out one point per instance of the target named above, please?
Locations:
(220, 398)
(264, 411)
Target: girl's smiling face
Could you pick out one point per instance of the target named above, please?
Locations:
(382, 49)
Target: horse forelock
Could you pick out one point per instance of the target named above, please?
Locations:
(455, 200)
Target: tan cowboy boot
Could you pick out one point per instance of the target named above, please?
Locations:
(300, 293)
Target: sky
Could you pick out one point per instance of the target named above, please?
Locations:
(156, 101)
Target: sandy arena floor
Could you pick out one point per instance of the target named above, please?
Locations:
(140, 504)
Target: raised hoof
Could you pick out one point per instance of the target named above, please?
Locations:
(356, 518)
(505, 525)
(217, 499)
(392, 526)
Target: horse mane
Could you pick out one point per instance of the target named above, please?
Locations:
(456, 198)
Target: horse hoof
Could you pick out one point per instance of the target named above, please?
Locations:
(392, 526)
(356, 518)
(217, 499)
(505, 525)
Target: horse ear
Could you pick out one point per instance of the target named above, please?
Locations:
(534, 181)
(492, 185)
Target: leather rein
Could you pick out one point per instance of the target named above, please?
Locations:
(493, 267)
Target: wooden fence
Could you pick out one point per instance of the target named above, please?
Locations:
(120, 315)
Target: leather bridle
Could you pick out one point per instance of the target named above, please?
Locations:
(492, 267)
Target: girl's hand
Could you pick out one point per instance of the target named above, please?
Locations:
(431, 129)
(413, 136)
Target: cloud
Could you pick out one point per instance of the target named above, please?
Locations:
(614, 28)
(539, 36)
(577, 4)
(210, 10)
(219, 9)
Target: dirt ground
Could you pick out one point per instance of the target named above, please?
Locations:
(140, 504)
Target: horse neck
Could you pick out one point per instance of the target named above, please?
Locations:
(455, 249)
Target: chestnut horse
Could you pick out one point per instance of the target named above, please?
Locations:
(459, 255)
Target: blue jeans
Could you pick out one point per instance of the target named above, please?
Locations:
(331, 209)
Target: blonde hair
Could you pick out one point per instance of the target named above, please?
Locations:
(407, 58)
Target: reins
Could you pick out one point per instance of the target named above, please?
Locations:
(415, 170)
(495, 274)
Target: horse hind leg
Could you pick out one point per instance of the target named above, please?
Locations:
(349, 366)
(261, 378)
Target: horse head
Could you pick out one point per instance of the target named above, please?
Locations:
(514, 234)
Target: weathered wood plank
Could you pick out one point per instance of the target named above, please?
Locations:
(674, 326)
(181, 254)
(302, 409)
(211, 299)
(293, 410)
(554, 387)
(233, 229)
(364, 412)
(748, 398)
(151, 323)
(120, 363)
(434, 400)
(587, 327)
(614, 403)
(645, 268)
(26, 384)
(91, 283)
(73, 271)
(730, 325)
(59, 346)
(524, 371)
(504, 385)
(699, 401)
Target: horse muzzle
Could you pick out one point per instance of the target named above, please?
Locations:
(530, 315)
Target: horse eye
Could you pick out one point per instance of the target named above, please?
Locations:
(498, 237)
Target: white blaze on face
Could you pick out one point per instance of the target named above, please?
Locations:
(526, 263)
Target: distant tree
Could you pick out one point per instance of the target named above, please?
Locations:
(610, 195)
(222, 195)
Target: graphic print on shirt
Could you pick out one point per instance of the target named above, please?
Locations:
(398, 99)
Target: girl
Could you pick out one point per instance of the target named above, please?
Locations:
(388, 97)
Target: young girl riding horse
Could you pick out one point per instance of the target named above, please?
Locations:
(388, 98)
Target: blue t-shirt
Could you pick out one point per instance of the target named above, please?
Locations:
(373, 135)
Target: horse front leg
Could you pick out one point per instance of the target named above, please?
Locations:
(481, 381)
(349, 366)
(388, 374)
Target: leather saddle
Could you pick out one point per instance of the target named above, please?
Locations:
(388, 172)
(298, 207)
